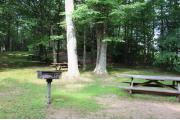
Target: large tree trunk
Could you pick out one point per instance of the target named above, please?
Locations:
(101, 60)
(73, 70)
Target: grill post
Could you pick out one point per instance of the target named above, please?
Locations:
(49, 90)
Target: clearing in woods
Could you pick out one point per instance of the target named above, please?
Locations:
(24, 96)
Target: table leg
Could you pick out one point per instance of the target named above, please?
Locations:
(173, 83)
(178, 87)
(59, 67)
(56, 68)
(132, 83)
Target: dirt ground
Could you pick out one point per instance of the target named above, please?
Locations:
(116, 107)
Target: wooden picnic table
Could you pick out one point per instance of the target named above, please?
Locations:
(153, 81)
(60, 66)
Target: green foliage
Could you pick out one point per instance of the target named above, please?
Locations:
(56, 37)
(113, 39)
(129, 27)
(168, 60)
(169, 56)
(84, 15)
(1, 33)
(123, 13)
(96, 11)
(28, 22)
(171, 42)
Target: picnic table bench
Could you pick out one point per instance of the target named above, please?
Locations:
(152, 83)
(60, 66)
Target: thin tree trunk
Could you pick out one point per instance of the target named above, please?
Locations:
(8, 46)
(93, 43)
(58, 51)
(73, 70)
(46, 54)
(84, 52)
(126, 44)
(53, 46)
(54, 52)
(40, 52)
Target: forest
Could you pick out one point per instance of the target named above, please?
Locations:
(128, 32)
(99, 41)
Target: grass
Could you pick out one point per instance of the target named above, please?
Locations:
(83, 98)
(24, 96)
(16, 60)
(20, 97)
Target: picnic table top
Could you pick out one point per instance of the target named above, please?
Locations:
(149, 77)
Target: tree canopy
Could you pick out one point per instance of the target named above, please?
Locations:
(130, 32)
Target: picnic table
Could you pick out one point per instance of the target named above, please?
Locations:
(60, 66)
(152, 83)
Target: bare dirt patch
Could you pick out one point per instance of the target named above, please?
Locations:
(115, 107)
(10, 92)
(122, 108)
(63, 113)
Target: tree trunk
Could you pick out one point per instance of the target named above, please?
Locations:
(101, 63)
(73, 70)
(98, 37)
(84, 52)
(101, 60)
(58, 51)
(93, 44)
(8, 43)
(54, 46)
(54, 52)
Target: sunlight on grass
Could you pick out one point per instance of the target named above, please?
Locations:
(20, 96)
(81, 98)
(24, 96)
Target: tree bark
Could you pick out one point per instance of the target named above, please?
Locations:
(54, 52)
(101, 60)
(84, 52)
(58, 51)
(53, 46)
(8, 37)
(98, 37)
(73, 70)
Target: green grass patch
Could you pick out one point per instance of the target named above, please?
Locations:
(24, 96)
(16, 60)
(21, 99)
(82, 98)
